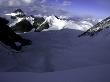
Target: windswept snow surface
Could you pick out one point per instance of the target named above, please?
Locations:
(59, 56)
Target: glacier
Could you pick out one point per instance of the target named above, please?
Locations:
(60, 56)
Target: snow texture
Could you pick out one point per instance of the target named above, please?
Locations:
(59, 56)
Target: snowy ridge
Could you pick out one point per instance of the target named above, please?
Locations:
(105, 23)
(64, 24)
(58, 24)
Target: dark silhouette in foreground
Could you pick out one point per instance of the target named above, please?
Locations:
(10, 38)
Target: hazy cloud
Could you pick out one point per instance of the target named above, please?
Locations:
(67, 2)
(43, 1)
(27, 1)
(15, 2)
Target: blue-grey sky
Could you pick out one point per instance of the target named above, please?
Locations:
(98, 8)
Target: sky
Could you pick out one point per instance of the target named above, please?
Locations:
(98, 8)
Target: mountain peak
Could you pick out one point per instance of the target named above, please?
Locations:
(105, 23)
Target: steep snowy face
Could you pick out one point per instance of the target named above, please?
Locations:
(55, 23)
(97, 27)
(30, 19)
(17, 20)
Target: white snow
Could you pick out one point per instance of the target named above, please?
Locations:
(59, 56)
(54, 23)
(81, 25)
(17, 20)
(58, 24)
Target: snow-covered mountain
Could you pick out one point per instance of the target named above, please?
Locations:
(105, 23)
(67, 23)
(60, 23)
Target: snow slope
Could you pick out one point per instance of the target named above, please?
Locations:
(59, 56)
(89, 74)
(81, 24)
(57, 24)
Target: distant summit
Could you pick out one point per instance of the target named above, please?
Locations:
(19, 13)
